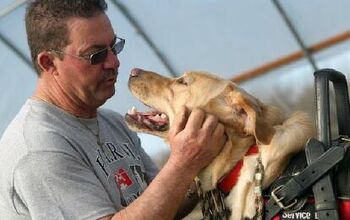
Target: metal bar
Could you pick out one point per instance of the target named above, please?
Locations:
(295, 34)
(16, 50)
(263, 69)
(143, 34)
(10, 7)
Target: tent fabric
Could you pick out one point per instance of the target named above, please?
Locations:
(222, 37)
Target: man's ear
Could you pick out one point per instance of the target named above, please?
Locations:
(45, 62)
(249, 111)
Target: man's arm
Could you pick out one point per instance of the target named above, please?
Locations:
(195, 139)
(189, 203)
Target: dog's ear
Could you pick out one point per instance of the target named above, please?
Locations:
(250, 112)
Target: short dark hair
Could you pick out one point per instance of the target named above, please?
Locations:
(46, 22)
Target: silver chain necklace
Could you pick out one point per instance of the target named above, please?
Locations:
(96, 134)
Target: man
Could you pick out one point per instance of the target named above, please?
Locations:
(62, 157)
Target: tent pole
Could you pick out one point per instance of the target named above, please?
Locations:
(295, 34)
(13, 48)
(269, 66)
(11, 7)
(3, 12)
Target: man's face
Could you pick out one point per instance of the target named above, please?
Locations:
(88, 85)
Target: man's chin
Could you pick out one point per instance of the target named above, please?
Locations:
(112, 92)
(102, 98)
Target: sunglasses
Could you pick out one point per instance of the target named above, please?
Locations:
(98, 56)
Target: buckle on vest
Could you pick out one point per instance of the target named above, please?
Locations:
(279, 200)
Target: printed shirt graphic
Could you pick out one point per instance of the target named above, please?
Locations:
(122, 179)
(128, 188)
(139, 175)
(123, 168)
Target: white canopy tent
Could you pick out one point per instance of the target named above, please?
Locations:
(223, 37)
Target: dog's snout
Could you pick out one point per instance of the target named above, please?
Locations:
(135, 72)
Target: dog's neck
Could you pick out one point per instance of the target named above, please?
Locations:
(233, 151)
(230, 179)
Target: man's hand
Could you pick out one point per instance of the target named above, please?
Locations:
(195, 139)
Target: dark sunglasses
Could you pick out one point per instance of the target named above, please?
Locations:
(99, 56)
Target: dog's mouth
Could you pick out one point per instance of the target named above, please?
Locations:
(150, 121)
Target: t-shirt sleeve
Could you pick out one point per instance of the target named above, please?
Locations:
(55, 185)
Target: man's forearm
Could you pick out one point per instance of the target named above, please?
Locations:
(162, 198)
(190, 201)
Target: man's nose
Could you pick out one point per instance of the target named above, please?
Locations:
(112, 61)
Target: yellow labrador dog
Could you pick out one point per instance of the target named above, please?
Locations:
(248, 122)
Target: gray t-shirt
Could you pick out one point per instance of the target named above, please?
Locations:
(51, 166)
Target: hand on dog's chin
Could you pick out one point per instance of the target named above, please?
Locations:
(224, 140)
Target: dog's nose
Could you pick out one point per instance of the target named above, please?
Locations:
(135, 72)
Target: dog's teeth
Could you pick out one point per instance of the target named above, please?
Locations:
(147, 122)
(132, 111)
(163, 116)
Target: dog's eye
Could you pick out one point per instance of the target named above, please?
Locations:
(181, 81)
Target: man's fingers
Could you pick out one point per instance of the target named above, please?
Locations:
(179, 122)
(195, 120)
(219, 132)
(210, 123)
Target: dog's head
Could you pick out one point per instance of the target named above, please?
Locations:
(240, 112)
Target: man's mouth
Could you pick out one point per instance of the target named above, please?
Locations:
(110, 76)
(152, 120)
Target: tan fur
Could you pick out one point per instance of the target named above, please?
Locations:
(246, 121)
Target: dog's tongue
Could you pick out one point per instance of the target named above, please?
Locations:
(152, 119)
(155, 117)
